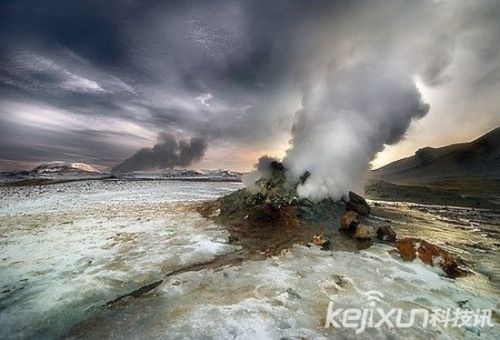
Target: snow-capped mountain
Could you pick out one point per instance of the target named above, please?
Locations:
(52, 167)
(54, 171)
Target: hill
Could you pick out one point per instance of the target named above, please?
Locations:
(478, 159)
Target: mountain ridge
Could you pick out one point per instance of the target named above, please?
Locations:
(60, 166)
(479, 158)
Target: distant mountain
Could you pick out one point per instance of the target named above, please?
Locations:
(477, 159)
(52, 167)
(202, 173)
(66, 171)
(52, 171)
(186, 174)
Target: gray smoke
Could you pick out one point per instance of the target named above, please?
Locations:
(167, 153)
(348, 116)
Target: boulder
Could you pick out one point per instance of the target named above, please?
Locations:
(304, 177)
(358, 204)
(385, 233)
(411, 248)
(318, 239)
(363, 232)
(321, 241)
(306, 202)
(349, 220)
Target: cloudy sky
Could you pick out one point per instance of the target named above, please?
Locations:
(94, 81)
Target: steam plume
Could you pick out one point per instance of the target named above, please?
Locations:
(167, 153)
(345, 119)
(261, 169)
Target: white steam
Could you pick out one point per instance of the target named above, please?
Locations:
(345, 119)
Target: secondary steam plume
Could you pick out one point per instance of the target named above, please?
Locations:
(345, 119)
(261, 169)
(167, 153)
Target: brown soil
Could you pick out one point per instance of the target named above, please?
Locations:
(431, 254)
(264, 229)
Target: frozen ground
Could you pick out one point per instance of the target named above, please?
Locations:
(69, 247)
(67, 250)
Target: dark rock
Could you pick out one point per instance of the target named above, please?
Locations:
(250, 200)
(232, 239)
(357, 199)
(259, 197)
(306, 202)
(326, 245)
(277, 166)
(385, 233)
(464, 304)
(358, 204)
(304, 177)
(293, 293)
(363, 232)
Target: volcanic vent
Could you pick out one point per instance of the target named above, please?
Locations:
(268, 215)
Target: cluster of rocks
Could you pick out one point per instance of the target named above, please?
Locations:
(350, 222)
(408, 248)
(273, 190)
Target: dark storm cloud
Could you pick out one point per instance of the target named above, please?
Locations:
(82, 144)
(167, 153)
(85, 27)
(223, 70)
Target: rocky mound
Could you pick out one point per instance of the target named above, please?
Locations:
(271, 217)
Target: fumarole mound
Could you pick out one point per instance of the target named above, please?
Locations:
(270, 217)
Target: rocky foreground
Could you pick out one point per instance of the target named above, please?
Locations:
(132, 259)
(271, 217)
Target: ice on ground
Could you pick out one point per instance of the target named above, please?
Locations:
(66, 249)
(79, 195)
(287, 297)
